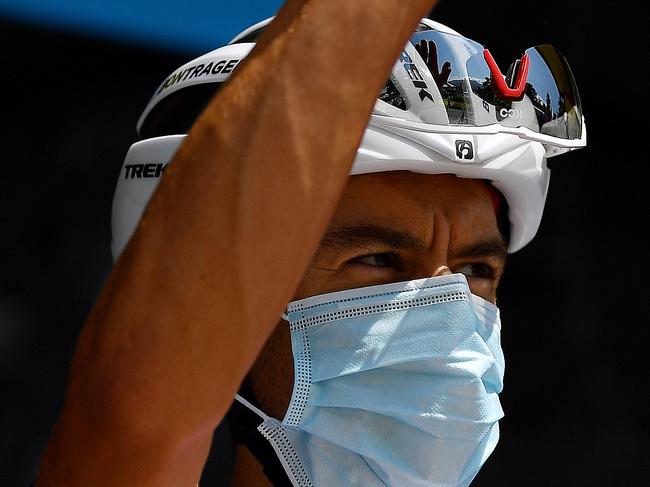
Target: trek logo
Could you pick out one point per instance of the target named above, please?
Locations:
(464, 150)
(198, 70)
(143, 171)
(415, 75)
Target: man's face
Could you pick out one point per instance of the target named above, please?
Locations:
(391, 227)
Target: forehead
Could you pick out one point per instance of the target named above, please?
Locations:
(405, 199)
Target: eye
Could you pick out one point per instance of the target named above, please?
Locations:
(386, 259)
(477, 270)
(483, 278)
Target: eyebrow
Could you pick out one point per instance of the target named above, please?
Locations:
(493, 247)
(354, 236)
(360, 236)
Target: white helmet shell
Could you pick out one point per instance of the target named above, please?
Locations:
(424, 121)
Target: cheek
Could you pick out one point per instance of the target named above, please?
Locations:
(271, 376)
(483, 288)
(320, 278)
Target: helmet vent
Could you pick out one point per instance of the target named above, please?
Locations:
(391, 95)
(422, 27)
(176, 113)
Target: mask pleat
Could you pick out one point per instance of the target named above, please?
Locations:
(395, 385)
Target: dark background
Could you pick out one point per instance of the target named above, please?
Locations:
(573, 302)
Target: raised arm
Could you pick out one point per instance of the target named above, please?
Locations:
(222, 246)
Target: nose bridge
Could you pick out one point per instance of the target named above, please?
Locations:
(442, 270)
(434, 260)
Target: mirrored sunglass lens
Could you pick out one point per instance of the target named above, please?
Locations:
(554, 94)
(445, 56)
(550, 104)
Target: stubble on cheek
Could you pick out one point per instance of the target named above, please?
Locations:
(271, 376)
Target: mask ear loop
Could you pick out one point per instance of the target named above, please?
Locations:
(248, 404)
(251, 407)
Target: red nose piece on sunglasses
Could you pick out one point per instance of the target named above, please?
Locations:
(501, 88)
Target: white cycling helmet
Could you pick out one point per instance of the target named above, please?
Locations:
(446, 108)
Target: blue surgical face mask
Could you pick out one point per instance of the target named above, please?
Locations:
(395, 385)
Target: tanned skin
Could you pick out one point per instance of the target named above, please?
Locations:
(222, 247)
(388, 227)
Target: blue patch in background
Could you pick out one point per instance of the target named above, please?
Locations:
(192, 27)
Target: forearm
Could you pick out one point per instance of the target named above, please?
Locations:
(223, 244)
